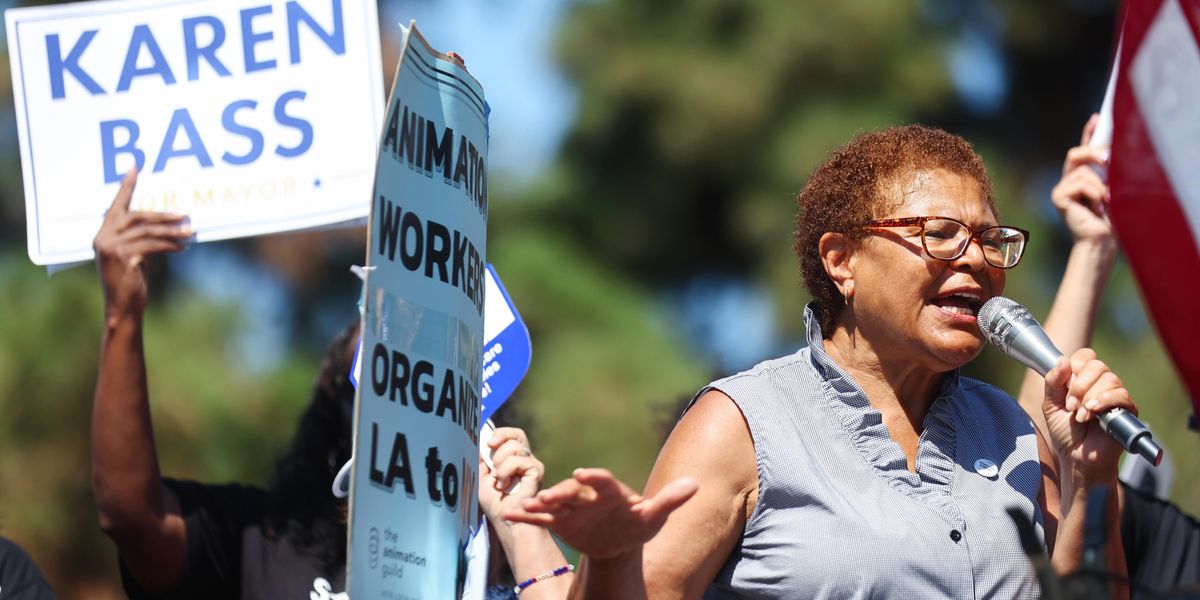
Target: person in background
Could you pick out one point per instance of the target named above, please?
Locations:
(20, 578)
(864, 464)
(1161, 542)
(184, 539)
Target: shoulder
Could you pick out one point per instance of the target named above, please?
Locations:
(194, 495)
(711, 444)
(767, 382)
(986, 401)
(215, 517)
(217, 514)
(982, 390)
(11, 553)
(20, 578)
(783, 366)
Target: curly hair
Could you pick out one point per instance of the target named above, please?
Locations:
(852, 187)
(300, 504)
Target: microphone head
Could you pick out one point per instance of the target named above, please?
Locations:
(992, 316)
(1009, 327)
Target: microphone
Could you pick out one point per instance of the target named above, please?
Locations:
(1009, 327)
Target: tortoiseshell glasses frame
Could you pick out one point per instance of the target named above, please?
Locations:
(947, 239)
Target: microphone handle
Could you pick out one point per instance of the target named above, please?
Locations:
(1131, 434)
(1034, 349)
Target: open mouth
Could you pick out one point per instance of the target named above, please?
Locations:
(960, 303)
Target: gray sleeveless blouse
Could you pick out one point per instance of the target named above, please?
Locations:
(839, 515)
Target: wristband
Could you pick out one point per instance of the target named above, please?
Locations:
(563, 570)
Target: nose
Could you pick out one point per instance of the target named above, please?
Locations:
(972, 259)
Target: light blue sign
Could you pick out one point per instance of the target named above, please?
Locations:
(413, 500)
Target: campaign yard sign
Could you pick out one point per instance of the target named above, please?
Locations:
(251, 116)
(413, 501)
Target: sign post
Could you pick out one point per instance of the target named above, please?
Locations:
(413, 499)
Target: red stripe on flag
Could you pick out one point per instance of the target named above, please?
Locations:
(1147, 215)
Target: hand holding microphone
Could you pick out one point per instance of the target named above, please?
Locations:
(1010, 327)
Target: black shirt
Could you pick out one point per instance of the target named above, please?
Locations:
(20, 579)
(1162, 545)
(230, 556)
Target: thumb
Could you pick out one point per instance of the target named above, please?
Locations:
(1056, 382)
(658, 508)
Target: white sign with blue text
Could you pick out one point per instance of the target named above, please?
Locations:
(250, 116)
(506, 347)
(413, 502)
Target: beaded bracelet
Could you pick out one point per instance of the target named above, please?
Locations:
(563, 570)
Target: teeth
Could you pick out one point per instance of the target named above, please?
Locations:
(962, 303)
(961, 310)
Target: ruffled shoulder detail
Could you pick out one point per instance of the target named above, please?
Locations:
(936, 449)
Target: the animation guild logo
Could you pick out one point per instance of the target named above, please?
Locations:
(373, 547)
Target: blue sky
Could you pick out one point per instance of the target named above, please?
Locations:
(508, 46)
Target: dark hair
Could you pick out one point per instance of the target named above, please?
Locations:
(300, 503)
(850, 188)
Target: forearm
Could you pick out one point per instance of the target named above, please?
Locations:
(1070, 544)
(531, 552)
(1073, 313)
(617, 577)
(125, 475)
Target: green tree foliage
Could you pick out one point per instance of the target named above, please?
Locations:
(607, 370)
(699, 120)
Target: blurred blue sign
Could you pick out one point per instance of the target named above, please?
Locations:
(506, 347)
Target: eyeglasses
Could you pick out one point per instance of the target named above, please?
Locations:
(947, 239)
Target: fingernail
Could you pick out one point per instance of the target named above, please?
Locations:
(1080, 415)
(1072, 403)
(1091, 405)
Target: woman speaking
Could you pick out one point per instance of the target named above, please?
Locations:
(863, 465)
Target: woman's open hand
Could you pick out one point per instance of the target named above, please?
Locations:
(597, 514)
